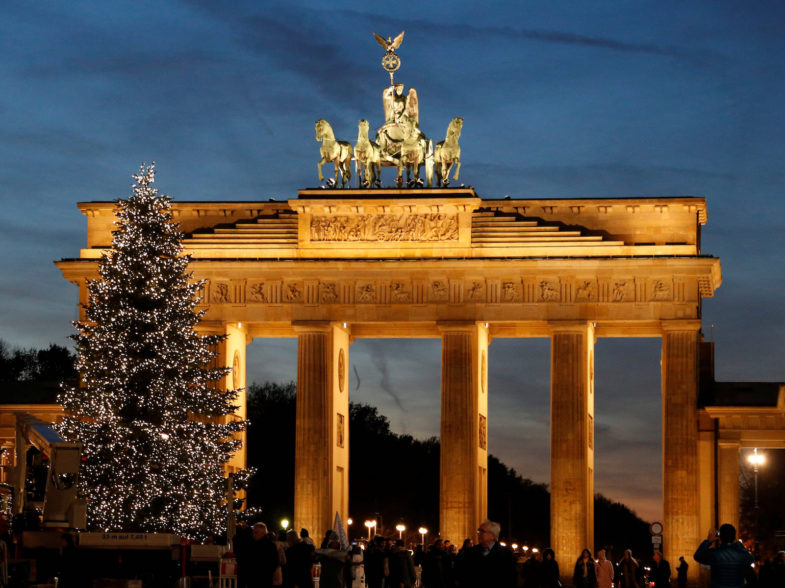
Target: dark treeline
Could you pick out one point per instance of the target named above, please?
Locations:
(395, 478)
(53, 364)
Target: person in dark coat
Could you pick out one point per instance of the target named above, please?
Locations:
(488, 564)
(549, 570)
(402, 573)
(262, 558)
(660, 571)
(681, 572)
(584, 574)
(532, 571)
(375, 563)
(629, 571)
(299, 560)
(728, 558)
(437, 567)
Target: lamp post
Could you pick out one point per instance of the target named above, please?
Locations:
(400, 527)
(423, 531)
(370, 525)
(756, 459)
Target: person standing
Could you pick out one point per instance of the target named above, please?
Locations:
(401, 567)
(584, 574)
(660, 571)
(603, 570)
(629, 571)
(262, 558)
(728, 558)
(681, 572)
(299, 560)
(549, 570)
(488, 564)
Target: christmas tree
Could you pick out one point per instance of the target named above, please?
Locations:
(153, 422)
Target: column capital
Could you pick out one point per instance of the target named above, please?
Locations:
(460, 326)
(571, 326)
(301, 327)
(680, 325)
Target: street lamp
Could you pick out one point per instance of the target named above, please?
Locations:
(756, 459)
(400, 527)
(370, 525)
(349, 522)
(284, 524)
(423, 531)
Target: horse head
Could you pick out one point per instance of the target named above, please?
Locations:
(363, 126)
(454, 129)
(322, 129)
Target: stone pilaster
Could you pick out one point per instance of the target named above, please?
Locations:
(680, 340)
(321, 476)
(572, 439)
(464, 430)
(728, 482)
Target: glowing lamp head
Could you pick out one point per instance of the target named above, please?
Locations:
(756, 458)
(422, 531)
(284, 523)
(370, 524)
(349, 521)
(400, 528)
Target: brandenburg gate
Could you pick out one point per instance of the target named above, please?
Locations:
(333, 265)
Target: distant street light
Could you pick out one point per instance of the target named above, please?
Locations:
(370, 525)
(349, 522)
(756, 459)
(400, 527)
(284, 524)
(423, 531)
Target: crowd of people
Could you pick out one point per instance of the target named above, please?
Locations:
(292, 560)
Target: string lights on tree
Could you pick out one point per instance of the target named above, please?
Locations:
(156, 426)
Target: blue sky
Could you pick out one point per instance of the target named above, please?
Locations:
(560, 99)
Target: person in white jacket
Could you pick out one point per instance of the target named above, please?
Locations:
(604, 570)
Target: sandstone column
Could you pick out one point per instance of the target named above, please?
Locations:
(728, 482)
(233, 356)
(463, 501)
(321, 469)
(572, 439)
(680, 340)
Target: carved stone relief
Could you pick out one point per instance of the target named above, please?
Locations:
(293, 292)
(328, 292)
(339, 434)
(483, 432)
(475, 291)
(366, 293)
(548, 291)
(400, 292)
(221, 293)
(661, 291)
(341, 370)
(511, 291)
(622, 291)
(256, 292)
(585, 291)
(438, 290)
(385, 227)
(236, 370)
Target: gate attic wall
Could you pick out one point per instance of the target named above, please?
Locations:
(334, 265)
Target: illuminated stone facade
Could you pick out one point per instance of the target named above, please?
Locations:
(334, 265)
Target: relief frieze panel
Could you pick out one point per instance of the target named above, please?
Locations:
(384, 227)
(661, 291)
(585, 291)
(438, 291)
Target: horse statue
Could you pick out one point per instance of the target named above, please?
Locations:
(367, 158)
(338, 152)
(413, 151)
(448, 152)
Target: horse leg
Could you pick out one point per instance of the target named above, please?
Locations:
(457, 168)
(347, 172)
(376, 171)
(319, 167)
